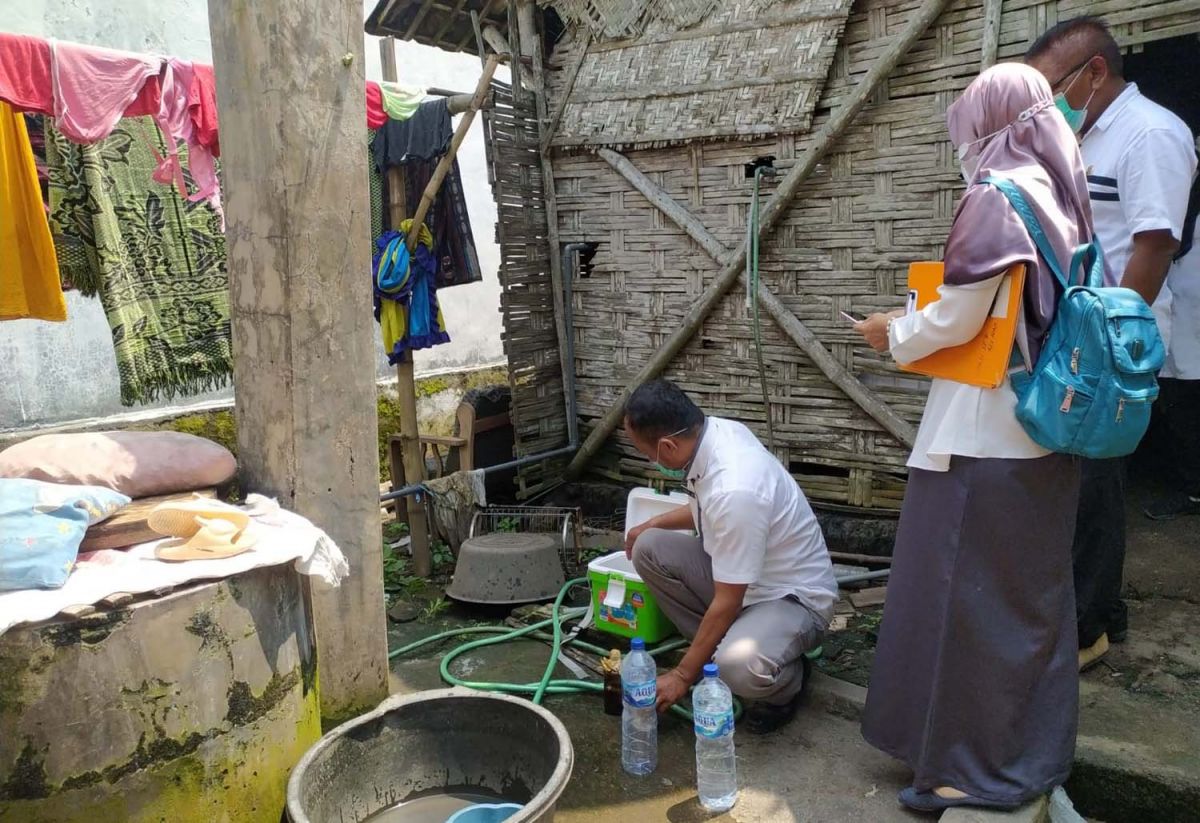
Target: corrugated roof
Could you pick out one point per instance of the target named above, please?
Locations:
(445, 24)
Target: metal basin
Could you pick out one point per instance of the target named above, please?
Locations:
(503, 568)
(431, 742)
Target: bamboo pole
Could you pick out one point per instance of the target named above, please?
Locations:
(482, 91)
(568, 87)
(406, 384)
(791, 325)
(823, 140)
(530, 44)
(992, 12)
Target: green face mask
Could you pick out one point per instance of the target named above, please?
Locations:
(670, 474)
(1075, 117)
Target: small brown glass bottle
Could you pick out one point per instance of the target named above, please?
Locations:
(611, 666)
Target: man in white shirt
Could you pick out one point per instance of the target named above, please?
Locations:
(1140, 161)
(755, 589)
(1179, 381)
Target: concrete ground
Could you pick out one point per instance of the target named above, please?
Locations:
(817, 769)
(1138, 756)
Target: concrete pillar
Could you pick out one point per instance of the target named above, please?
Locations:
(290, 78)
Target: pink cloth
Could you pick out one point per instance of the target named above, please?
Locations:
(25, 78)
(202, 101)
(93, 87)
(376, 116)
(1028, 142)
(174, 117)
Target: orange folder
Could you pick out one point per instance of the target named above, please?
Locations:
(982, 361)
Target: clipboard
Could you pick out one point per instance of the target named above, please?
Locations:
(984, 360)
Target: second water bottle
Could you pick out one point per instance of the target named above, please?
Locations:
(639, 717)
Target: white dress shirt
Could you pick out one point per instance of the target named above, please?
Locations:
(1183, 355)
(755, 522)
(963, 420)
(1140, 160)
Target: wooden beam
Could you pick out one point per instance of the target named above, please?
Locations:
(457, 10)
(416, 24)
(497, 42)
(791, 325)
(552, 126)
(298, 231)
(823, 140)
(992, 12)
(406, 379)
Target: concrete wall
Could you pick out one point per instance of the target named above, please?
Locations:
(57, 372)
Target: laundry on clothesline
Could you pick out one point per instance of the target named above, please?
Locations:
(406, 303)
(155, 258)
(30, 286)
(417, 144)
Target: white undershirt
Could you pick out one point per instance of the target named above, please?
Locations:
(963, 420)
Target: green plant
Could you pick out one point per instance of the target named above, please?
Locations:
(441, 555)
(397, 574)
(393, 531)
(588, 555)
(508, 525)
(434, 609)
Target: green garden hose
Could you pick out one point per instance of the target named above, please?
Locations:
(536, 631)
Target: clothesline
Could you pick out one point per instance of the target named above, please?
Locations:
(121, 220)
(88, 89)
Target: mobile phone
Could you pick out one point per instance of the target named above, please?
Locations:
(850, 317)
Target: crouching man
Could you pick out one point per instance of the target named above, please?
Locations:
(755, 589)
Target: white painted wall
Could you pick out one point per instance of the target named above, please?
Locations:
(57, 372)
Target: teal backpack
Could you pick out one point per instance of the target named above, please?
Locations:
(1091, 389)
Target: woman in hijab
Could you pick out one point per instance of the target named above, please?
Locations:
(975, 680)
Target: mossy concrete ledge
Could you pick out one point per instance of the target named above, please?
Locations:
(193, 706)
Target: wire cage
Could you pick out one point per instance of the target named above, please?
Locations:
(565, 523)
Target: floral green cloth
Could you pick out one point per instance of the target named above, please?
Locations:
(156, 261)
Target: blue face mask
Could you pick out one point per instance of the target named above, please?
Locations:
(1075, 117)
(670, 474)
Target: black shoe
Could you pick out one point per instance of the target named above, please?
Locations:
(764, 718)
(1172, 506)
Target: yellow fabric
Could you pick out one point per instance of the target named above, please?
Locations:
(426, 236)
(393, 323)
(29, 281)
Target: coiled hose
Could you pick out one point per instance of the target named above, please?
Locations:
(537, 631)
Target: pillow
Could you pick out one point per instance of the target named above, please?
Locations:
(41, 527)
(136, 464)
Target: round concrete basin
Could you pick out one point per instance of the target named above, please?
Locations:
(450, 740)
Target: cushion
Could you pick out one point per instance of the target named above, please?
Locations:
(41, 527)
(136, 464)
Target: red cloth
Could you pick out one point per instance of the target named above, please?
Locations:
(25, 73)
(202, 103)
(376, 116)
(25, 78)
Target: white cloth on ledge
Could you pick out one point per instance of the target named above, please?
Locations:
(281, 537)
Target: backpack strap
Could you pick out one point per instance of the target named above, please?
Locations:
(1029, 218)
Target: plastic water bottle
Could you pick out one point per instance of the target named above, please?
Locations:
(639, 717)
(716, 771)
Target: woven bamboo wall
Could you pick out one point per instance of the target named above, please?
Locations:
(884, 197)
(526, 301)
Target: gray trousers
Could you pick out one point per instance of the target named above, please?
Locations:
(760, 657)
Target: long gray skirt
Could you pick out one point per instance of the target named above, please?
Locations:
(975, 683)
